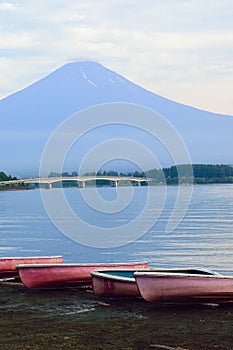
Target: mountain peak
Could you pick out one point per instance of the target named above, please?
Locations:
(79, 65)
(90, 72)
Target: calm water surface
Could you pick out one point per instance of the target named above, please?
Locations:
(204, 238)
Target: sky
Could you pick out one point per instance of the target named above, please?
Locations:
(179, 49)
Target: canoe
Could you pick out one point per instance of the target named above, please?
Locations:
(66, 275)
(8, 265)
(118, 283)
(114, 283)
(185, 287)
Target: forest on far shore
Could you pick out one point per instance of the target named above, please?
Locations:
(196, 173)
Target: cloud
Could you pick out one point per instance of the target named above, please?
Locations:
(16, 40)
(8, 6)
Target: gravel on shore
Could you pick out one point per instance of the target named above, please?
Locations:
(77, 319)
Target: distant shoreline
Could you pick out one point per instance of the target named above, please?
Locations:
(19, 188)
(15, 188)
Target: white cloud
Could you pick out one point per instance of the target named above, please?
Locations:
(16, 40)
(8, 6)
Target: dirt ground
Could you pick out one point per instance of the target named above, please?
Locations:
(74, 319)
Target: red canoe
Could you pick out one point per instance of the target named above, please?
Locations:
(8, 265)
(66, 275)
(181, 287)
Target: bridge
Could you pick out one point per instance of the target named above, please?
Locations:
(48, 182)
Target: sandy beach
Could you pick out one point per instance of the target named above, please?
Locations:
(74, 319)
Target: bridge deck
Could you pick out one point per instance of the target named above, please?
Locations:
(50, 180)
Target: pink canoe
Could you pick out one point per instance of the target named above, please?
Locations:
(115, 283)
(66, 275)
(120, 283)
(8, 265)
(181, 287)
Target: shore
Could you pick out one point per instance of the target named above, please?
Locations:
(74, 319)
(15, 188)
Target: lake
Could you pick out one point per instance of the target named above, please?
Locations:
(204, 237)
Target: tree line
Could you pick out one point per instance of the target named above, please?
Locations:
(5, 177)
(196, 173)
(99, 173)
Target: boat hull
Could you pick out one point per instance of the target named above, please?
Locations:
(159, 287)
(66, 275)
(8, 265)
(108, 283)
(122, 284)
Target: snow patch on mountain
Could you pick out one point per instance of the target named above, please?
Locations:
(91, 82)
(83, 75)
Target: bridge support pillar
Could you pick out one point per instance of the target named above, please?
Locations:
(81, 184)
(49, 186)
(114, 184)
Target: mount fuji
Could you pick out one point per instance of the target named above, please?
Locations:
(29, 116)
